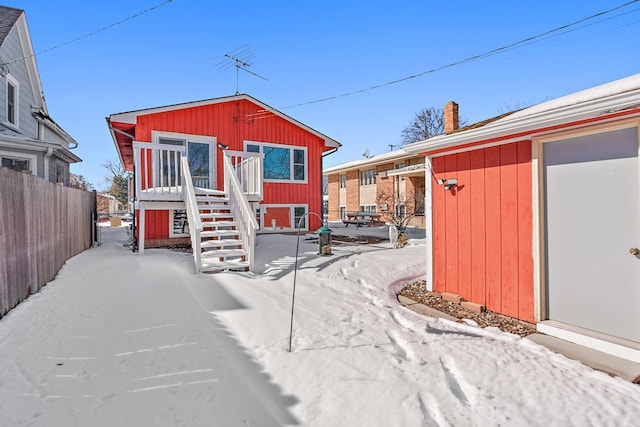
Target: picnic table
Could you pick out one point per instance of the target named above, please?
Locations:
(362, 218)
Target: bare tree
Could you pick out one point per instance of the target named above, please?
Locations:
(118, 181)
(79, 182)
(398, 209)
(427, 123)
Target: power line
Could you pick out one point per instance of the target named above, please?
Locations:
(498, 50)
(93, 33)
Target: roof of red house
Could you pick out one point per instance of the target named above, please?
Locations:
(130, 116)
(601, 103)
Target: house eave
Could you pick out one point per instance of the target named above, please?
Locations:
(370, 162)
(529, 125)
(130, 117)
(35, 145)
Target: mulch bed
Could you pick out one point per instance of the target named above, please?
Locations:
(417, 291)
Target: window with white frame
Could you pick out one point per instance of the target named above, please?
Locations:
(179, 226)
(298, 216)
(343, 180)
(19, 162)
(281, 162)
(12, 101)
(368, 208)
(343, 212)
(368, 177)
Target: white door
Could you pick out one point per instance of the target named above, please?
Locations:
(592, 220)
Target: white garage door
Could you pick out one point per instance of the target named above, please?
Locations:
(592, 220)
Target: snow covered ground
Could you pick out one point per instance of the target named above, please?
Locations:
(120, 339)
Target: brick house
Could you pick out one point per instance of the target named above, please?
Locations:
(387, 183)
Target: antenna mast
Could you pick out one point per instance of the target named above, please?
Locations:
(241, 59)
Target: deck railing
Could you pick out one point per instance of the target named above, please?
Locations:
(245, 219)
(248, 170)
(158, 174)
(193, 214)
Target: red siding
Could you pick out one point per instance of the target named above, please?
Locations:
(281, 215)
(482, 229)
(234, 122)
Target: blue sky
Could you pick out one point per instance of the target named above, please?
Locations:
(314, 50)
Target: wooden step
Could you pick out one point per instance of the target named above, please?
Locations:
(220, 243)
(211, 199)
(224, 265)
(213, 208)
(216, 215)
(208, 191)
(216, 224)
(223, 253)
(219, 233)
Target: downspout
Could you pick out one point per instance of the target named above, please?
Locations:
(333, 150)
(47, 156)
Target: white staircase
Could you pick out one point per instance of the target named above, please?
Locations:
(220, 242)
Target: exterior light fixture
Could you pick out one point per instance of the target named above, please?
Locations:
(448, 183)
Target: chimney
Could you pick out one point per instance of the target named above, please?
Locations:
(451, 122)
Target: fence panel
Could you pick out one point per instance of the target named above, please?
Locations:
(42, 225)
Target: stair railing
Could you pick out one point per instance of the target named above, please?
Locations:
(248, 171)
(193, 214)
(245, 218)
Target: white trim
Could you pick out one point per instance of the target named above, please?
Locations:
(131, 116)
(291, 161)
(172, 233)
(32, 158)
(605, 343)
(428, 222)
(10, 80)
(156, 135)
(589, 104)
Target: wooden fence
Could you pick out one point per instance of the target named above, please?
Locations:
(41, 226)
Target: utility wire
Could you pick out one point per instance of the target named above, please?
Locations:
(501, 49)
(93, 33)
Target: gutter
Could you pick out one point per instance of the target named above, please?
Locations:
(45, 119)
(622, 104)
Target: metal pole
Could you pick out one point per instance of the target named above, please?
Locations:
(295, 274)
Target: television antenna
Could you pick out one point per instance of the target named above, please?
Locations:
(239, 58)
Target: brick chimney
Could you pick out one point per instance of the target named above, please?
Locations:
(451, 122)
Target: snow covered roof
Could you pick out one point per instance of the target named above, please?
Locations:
(370, 161)
(600, 102)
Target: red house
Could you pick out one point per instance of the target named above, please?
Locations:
(535, 214)
(216, 171)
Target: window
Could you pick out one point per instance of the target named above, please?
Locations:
(368, 177)
(298, 213)
(368, 208)
(343, 212)
(13, 90)
(401, 210)
(179, 224)
(281, 162)
(20, 165)
(343, 180)
(401, 166)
